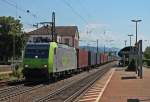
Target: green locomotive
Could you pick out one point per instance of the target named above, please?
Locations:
(45, 60)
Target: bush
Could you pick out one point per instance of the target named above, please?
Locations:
(18, 71)
(147, 62)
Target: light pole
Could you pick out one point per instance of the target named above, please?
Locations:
(136, 21)
(130, 38)
(130, 47)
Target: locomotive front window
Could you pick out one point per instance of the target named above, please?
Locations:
(37, 51)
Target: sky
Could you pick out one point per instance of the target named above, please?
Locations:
(109, 21)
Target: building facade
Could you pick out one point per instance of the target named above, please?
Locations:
(68, 35)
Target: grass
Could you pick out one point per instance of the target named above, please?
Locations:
(4, 77)
(16, 74)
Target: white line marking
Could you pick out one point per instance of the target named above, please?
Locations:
(102, 91)
(90, 95)
(89, 99)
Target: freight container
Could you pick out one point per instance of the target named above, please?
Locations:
(102, 58)
(92, 58)
(105, 56)
(82, 58)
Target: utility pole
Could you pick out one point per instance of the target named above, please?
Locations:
(125, 41)
(104, 40)
(54, 36)
(52, 29)
(97, 45)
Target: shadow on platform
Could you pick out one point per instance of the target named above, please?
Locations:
(145, 100)
(133, 100)
(137, 100)
(128, 77)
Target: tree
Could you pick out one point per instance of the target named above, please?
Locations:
(10, 33)
(147, 53)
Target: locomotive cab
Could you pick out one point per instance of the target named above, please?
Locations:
(36, 60)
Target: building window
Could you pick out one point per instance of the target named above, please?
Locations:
(67, 41)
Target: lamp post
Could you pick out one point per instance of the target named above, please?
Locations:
(136, 21)
(130, 38)
(130, 47)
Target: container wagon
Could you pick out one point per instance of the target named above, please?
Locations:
(82, 59)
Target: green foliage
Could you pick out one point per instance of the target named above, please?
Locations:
(4, 77)
(9, 25)
(10, 32)
(18, 72)
(147, 53)
(146, 62)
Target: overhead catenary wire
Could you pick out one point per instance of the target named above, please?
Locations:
(13, 4)
(75, 12)
(85, 9)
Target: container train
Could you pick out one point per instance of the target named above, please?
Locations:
(48, 60)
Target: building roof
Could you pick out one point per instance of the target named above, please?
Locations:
(60, 30)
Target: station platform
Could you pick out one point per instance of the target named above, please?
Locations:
(127, 87)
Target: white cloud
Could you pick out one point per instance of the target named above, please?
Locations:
(94, 31)
(97, 25)
(104, 34)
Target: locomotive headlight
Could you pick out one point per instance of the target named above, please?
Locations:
(45, 66)
(26, 66)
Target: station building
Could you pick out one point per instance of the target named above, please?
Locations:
(68, 35)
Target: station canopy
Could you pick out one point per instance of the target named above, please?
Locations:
(126, 50)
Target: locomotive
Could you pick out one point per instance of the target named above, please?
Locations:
(48, 60)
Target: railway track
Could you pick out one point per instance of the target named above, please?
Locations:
(19, 93)
(10, 92)
(15, 84)
(3, 83)
(71, 91)
(10, 82)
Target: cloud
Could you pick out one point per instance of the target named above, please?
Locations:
(96, 31)
(105, 35)
(96, 25)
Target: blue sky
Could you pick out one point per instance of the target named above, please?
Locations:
(97, 16)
